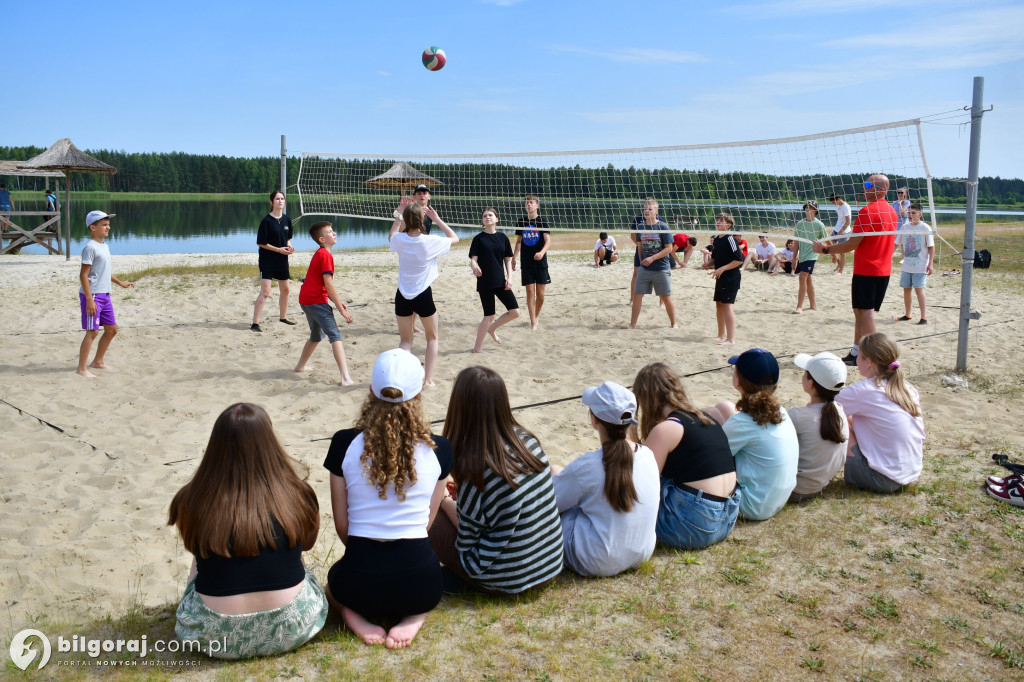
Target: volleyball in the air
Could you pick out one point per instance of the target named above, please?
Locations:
(433, 58)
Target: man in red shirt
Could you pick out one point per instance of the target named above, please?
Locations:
(872, 262)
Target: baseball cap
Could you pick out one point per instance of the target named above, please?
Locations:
(397, 369)
(825, 368)
(93, 216)
(812, 203)
(421, 188)
(757, 366)
(611, 403)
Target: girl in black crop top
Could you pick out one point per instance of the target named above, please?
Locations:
(247, 516)
(699, 501)
(690, 447)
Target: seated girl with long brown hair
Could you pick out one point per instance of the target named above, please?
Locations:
(503, 536)
(388, 475)
(247, 516)
(699, 497)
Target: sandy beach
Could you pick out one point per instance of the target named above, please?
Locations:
(89, 466)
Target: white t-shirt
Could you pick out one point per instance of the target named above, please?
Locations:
(889, 438)
(843, 211)
(820, 459)
(97, 255)
(608, 244)
(915, 246)
(764, 251)
(388, 519)
(786, 253)
(417, 260)
(598, 540)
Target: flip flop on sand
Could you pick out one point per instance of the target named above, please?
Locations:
(951, 273)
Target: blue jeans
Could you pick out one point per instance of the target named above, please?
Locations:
(691, 521)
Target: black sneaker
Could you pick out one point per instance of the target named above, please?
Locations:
(287, 321)
(255, 328)
(850, 360)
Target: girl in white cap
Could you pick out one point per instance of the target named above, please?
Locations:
(608, 498)
(388, 476)
(821, 427)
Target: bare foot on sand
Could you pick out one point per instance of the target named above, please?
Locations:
(307, 368)
(364, 629)
(346, 381)
(724, 342)
(798, 311)
(85, 373)
(98, 365)
(494, 335)
(402, 634)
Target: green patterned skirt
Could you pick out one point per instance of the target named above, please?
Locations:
(263, 633)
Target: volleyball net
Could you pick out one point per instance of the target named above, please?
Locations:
(764, 184)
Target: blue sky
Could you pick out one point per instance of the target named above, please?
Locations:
(522, 75)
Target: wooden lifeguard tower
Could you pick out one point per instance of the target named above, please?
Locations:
(14, 235)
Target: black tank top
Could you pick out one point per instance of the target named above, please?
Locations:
(271, 569)
(702, 453)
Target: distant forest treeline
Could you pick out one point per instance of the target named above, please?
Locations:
(203, 173)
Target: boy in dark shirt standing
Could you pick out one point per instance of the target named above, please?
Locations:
(533, 238)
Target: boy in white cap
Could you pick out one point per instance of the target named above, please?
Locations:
(94, 294)
(608, 498)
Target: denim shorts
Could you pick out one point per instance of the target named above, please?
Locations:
(688, 520)
(320, 317)
(913, 280)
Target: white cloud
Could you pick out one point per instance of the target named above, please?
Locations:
(384, 73)
(635, 55)
(1000, 26)
(817, 7)
(500, 3)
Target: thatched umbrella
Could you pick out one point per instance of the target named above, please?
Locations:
(402, 176)
(64, 156)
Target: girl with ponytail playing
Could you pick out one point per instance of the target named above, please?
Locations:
(699, 496)
(886, 429)
(608, 498)
(821, 426)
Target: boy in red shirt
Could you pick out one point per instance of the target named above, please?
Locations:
(317, 289)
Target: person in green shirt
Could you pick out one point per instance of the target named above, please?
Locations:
(807, 230)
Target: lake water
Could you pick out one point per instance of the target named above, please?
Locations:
(229, 225)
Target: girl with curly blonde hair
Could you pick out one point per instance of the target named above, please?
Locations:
(388, 476)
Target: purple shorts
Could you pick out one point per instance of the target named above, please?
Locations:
(104, 312)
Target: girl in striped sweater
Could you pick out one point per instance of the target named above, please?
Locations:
(503, 534)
